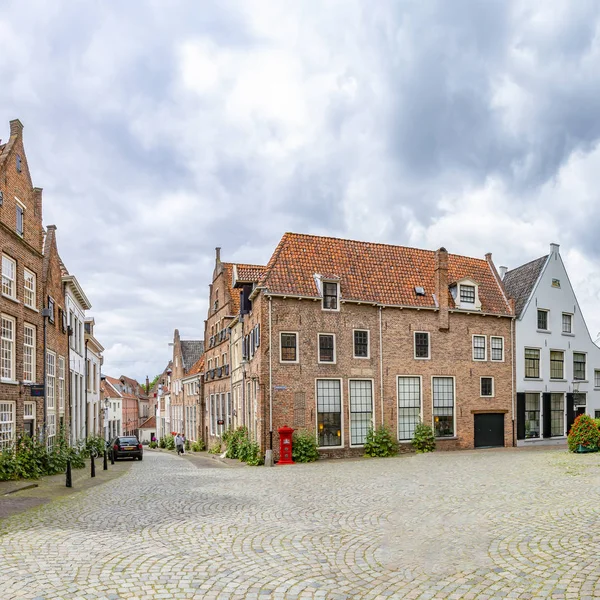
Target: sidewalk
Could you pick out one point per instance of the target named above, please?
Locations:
(19, 496)
(204, 459)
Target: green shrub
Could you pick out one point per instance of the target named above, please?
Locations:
(235, 441)
(380, 443)
(152, 445)
(423, 439)
(198, 446)
(187, 445)
(304, 447)
(93, 442)
(252, 455)
(584, 432)
(169, 442)
(215, 448)
(162, 443)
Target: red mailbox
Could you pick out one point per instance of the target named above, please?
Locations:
(285, 445)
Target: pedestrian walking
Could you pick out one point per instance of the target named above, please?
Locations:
(179, 444)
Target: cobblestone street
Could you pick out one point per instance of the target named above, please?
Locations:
(487, 524)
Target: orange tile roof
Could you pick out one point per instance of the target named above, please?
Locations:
(197, 367)
(373, 272)
(250, 273)
(150, 423)
(253, 270)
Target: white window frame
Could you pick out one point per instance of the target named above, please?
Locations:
(398, 378)
(19, 205)
(51, 431)
(61, 383)
(372, 382)
(547, 320)
(585, 366)
(338, 379)
(12, 342)
(7, 434)
(11, 281)
(479, 335)
(31, 416)
(29, 291)
(326, 362)
(428, 357)
(50, 380)
(453, 407)
(337, 291)
(496, 337)
(368, 356)
(562, 323)
(467, 285)
(493, 394)
(289, 362)
(597, 378)
(33, 348)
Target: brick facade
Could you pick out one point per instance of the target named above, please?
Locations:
(25, 250)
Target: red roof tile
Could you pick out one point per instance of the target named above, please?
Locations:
(149, 423)
(372, 272)
(197, 367)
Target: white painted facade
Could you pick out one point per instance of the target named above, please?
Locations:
(76, 303)
(94, 359)
(554, 294)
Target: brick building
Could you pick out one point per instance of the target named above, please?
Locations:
(57, 339)
(366, 334)
(21, 322)
(193, 404)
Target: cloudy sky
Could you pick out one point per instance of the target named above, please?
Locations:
(160, 129)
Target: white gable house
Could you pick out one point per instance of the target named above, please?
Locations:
(557, 362)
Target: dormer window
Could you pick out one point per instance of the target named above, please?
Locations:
(330, 295)
(467, 294)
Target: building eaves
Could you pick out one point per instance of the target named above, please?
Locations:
(520, 282)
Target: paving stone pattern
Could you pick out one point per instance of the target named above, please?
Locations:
(487, 524)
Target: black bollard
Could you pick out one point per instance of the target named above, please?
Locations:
(105, 466)
(69, 480)
(112, 457)
(92, 466)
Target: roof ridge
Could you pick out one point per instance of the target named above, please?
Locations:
(526, 264)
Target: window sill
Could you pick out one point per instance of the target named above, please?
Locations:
(362, 357)
(11, 299)
(558, 380)
(31, 308)
(488, 397)
(422, 357)
(568, 334)
(441, 439)
(9, 381)
(532, 379)
(581, 380)
(543, 331)
(340, 447)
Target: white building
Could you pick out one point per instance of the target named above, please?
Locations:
(557, 362)
(114, 418)
(76, 304)
(93, 362)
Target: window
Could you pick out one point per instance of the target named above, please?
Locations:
(361, 343)
(18, 163)
(443, 406)
(29, 285)
(597, 379)
(20, 212)
(542, 319)
(51, 433)
(50, 379)
(597, 414)
(557, 364)
(557, 415)
(9, 269)
(7, 424)
(487, 386)
(532, 416)
(467, 294)
(61, 382)
(578, 365)
(330, 295)
(289, 351)
(51, 307)
(7, 350)
(567, 322)
(329, 412)
(326, 348)
(421, 344)
(361, 410)
(479, 347)
(532, 363)
(497, 346)
(29, 352)
(29, 418)
(409, 406)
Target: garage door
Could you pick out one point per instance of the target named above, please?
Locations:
(489, 430)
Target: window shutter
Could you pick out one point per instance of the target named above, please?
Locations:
(258, 335)
(521, 416)
(547, 425)
(570, 411)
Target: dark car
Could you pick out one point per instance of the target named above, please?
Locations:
(126, 446)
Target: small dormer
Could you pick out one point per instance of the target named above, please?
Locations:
(328, 287)
(466, 294)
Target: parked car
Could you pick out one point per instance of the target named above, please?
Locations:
(126, 446)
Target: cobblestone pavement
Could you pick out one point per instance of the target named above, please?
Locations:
(487, 524)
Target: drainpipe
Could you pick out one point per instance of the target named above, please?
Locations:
(85, 362)
(270, 375)
(513, 376)
(381, 360)
(45, 313)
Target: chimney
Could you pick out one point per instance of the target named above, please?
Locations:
(147, 383)
(218, 254)
(37, 195)
(554, 248)
(503, 272)
(16, 127)
(441, 286)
